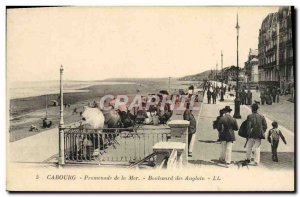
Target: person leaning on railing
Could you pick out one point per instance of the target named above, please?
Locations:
(188, 115)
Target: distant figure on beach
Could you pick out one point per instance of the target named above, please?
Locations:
(33, 128)
(75, 111)
(69, 105)
(47, 123)
(65, 104)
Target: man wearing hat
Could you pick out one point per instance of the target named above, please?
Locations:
(227, 125)
(257, 125)
(188, 115)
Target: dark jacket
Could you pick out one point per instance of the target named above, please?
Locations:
(249, 95)
(214, 94)
(187, 115)
(209, 93)
(262, 95)
(257, 125)
(215, 123)
(227, 124)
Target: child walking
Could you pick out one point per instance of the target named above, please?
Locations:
(273, 138)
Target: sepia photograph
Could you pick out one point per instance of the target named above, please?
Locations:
(150, 98)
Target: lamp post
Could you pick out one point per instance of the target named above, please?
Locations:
(61, 122)
(248, 74)
(61, 142)
(222, 88)
(216, 75)
(237, 97)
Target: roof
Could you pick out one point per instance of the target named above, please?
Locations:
(254, 59)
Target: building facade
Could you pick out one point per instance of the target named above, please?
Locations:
(230, 75)
(275, 50)
(251, 67)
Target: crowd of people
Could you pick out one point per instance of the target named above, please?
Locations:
(253, 128)
(213, 92)
(270, 95)
(246, 97)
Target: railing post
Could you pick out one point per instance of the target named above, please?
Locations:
(61, 160)
(179, 133)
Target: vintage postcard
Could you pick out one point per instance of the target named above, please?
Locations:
(150, 99)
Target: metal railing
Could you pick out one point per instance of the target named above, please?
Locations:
(109, 145)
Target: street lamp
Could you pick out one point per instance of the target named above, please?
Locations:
(237, 98)
(61, 143)
(216, 77)
(222, 88)
(61, 122)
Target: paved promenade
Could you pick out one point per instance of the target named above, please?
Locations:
(42, 147)
(36, 148)
(207, 150)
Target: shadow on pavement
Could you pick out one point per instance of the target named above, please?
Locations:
(286, 160)
(239, 151)
(209, 141)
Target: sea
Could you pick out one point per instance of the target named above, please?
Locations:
(26, 89)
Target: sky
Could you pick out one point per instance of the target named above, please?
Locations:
(96, 43)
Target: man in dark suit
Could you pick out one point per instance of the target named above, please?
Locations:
(257, 125)
(209, 94)
(188, 115)
(227, 125)
(214, 96)
(249, 97)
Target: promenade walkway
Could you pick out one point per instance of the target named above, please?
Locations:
(207, 150)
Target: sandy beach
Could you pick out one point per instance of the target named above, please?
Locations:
(25, 112)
